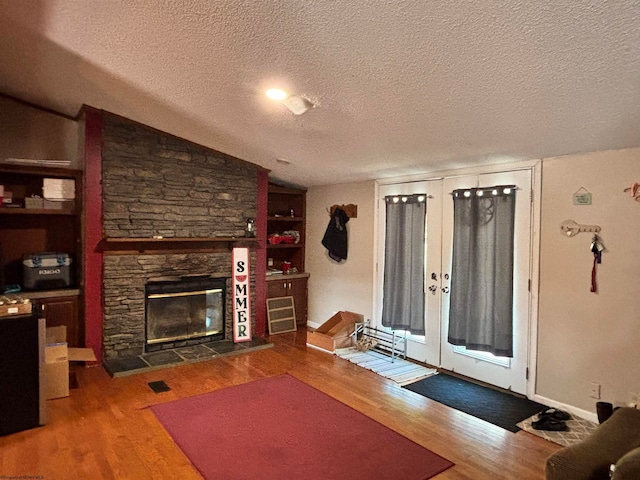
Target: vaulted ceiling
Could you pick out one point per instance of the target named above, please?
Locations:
(399, 86)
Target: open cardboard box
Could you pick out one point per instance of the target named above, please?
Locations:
(57, 355)
(335, 332)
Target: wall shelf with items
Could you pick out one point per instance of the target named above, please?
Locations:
(286, 234)
(286, 209)
(27, 227)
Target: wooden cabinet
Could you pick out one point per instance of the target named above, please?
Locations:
(53, 227)
(286, 210)
(63, 311)
(294, 285)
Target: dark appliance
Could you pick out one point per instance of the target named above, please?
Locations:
(22, 380)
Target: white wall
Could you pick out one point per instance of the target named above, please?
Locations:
(347, 285)
(586, 337)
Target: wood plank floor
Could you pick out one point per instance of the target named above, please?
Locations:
(105, 430)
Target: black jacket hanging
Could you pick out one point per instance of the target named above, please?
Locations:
(335, 238)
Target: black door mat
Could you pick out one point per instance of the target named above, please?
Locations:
(500, 408)
(159, 386)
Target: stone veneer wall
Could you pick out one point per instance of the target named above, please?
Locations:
(155, 184)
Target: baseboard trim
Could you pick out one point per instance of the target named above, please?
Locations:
(579, 412)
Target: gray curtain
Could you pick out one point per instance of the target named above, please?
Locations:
(404, 259)
(481, 308)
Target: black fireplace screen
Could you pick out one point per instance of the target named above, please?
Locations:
(184, 311)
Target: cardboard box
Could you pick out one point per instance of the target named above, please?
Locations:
(21, 307)
(57, 356)
(335, 332)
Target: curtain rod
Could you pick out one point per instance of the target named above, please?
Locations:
(485, 189)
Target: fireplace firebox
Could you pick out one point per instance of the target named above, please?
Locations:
(185, 311)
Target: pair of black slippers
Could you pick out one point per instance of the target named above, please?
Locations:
(552, 420)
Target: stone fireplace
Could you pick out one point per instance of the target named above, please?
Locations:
(157, 187)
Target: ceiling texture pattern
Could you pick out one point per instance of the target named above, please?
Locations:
(400, 86)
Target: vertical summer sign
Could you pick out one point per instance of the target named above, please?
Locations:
(241, 302)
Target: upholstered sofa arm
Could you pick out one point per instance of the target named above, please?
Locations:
(591, 458)
(628, 467)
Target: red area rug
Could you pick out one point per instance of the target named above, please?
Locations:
(282, 428)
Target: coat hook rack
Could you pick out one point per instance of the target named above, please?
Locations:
(634, 191)
(571, 228)
(351, 210)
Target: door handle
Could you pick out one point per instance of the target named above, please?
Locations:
(433, 289)
(445, 289)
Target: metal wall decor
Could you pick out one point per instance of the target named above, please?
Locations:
(571, 228)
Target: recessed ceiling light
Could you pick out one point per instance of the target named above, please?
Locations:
(298, 105)
(276, 94)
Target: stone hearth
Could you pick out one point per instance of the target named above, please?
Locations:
(121, 367)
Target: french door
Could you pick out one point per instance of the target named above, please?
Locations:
(425, 348)
(508, 373)
(433, 348)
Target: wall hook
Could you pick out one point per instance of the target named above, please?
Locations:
(634, 191)
(571, 228)
(351, 210)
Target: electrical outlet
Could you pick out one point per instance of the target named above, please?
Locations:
(595, 391)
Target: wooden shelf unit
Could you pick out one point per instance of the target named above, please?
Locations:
(286, 210)
(27, 230)
(34, 211)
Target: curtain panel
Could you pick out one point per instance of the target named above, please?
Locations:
(404, 263)
(481, 301)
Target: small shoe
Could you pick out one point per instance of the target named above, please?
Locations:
(550, 424)
(555, 414)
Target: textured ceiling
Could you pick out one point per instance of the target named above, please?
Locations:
(401, 87)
